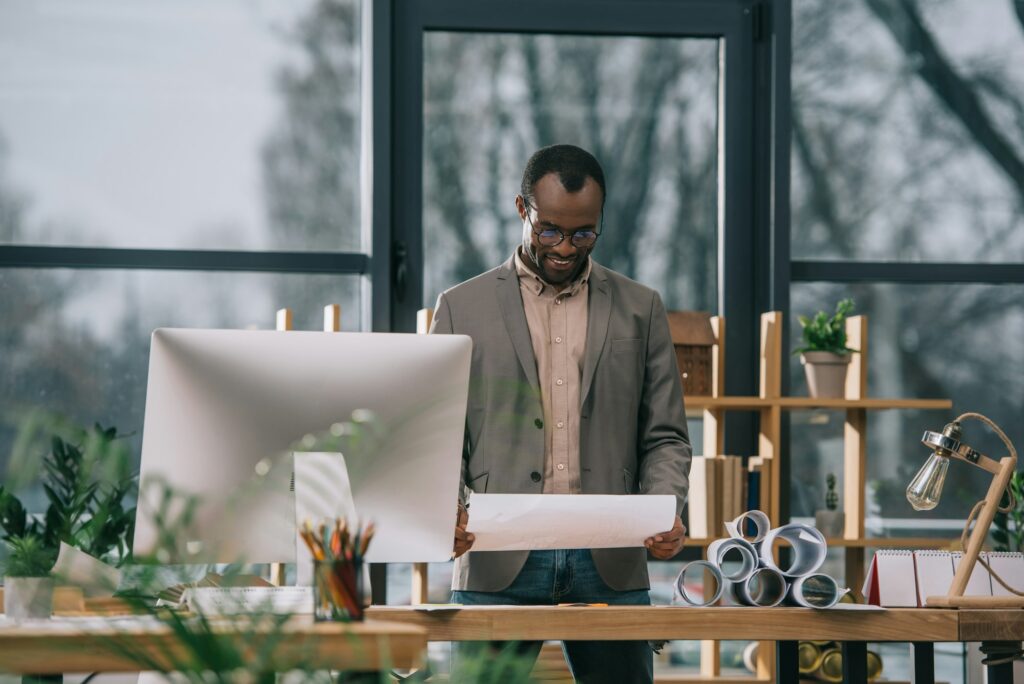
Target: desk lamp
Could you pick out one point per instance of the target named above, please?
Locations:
(926, 488)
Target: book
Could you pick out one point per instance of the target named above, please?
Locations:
(703, 499)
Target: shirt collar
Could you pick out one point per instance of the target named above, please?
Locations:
(536, 284)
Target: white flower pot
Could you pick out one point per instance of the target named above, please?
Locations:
(829, 523)
(28, 597)
(826, 373)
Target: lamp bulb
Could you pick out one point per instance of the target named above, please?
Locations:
(926, 487)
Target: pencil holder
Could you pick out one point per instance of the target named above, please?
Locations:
(337, 590)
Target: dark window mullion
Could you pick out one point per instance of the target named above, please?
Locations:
(901, 272)
(18, 256)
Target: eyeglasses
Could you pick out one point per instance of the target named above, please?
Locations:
(552, 237)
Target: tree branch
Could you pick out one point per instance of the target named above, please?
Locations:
(904, 23)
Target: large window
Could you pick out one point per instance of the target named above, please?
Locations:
(908, 131)
(646, 107)
(908, 149)
(142, 135)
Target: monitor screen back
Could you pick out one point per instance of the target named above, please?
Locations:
(226, 409)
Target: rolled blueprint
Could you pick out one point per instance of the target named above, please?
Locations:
(808, 545)
(691, 570)
(759, 519)
(814, 591)
(765, 588)
(734, 549)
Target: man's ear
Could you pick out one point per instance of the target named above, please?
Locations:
(521, 207)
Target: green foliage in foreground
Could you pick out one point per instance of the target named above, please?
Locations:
(27, 558)
(86, 481)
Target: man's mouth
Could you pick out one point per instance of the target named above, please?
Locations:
(560, 263)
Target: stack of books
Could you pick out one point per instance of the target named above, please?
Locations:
(721, 489)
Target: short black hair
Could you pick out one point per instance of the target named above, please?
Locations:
(572, 164)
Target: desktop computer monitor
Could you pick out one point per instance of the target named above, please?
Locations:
(225, 410)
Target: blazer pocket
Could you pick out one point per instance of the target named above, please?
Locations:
(478, 483)
(627, 480)
(633, 344)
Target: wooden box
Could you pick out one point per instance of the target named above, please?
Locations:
(693, 339)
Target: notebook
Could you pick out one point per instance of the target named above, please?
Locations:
(980, 583)
(934, 573)
(1009, 566)
(241, 600)
(891, 580)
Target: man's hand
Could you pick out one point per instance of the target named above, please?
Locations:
(664, 545)
(463, 540)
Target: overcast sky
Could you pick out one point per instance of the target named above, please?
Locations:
(139, 122)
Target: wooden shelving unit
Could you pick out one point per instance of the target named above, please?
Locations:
(769, 404)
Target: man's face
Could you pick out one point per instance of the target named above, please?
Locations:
(555, 208)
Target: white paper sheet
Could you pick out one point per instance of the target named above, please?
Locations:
(79, 569)
(521, 522)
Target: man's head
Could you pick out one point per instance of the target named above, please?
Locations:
(561, 200)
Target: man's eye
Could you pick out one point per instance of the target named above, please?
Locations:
(549, 233)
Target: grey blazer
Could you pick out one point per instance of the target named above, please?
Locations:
(633, 436)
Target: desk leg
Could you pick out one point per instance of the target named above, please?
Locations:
(787, 661)
(1001, 672)
(922, 653)
(855, 662)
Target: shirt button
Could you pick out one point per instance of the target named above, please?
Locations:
(557, 302)
(558, 339)
(561, 466)
(559, 382)
(539, 423)
(535, 476)
(560, 424)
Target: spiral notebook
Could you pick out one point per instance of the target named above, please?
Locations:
(934, 574)
(891, 579)
(1009, 566)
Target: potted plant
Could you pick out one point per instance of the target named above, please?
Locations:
(830, 520)
(28, 587)
(86, 481)
(824, 353)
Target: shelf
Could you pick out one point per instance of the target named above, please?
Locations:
(807, 403)
(868, 543)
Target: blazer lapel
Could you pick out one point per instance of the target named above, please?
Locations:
(597, 326)
(511, 302)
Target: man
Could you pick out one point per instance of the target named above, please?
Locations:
(574, 390)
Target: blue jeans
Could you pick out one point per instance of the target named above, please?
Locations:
(567, 576)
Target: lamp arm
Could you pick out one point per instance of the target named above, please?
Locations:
(995, 428)
(971, 543)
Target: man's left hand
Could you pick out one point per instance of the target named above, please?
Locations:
(664, 545)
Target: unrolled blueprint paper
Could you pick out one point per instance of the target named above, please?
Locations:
(521, 522)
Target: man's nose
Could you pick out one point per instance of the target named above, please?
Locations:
(565, 248)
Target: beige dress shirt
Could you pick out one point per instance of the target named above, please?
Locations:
(558, 331)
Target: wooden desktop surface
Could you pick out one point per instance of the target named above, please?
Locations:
(677, 622)
(99, 645)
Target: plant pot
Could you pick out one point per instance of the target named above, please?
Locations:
(826, 373)
(28, 597)
(829, 523)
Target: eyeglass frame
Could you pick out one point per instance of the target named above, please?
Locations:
(561, 233)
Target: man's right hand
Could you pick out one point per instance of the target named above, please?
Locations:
(463, 540)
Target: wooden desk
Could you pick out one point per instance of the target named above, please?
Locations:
(103, 646)
(922, 627)
(530, 623)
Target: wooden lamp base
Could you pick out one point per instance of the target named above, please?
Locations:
(974, 602)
